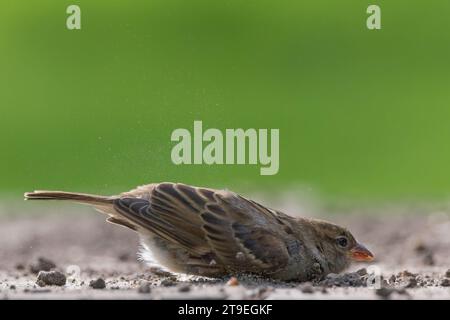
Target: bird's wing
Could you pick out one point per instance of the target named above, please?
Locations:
(241, 234)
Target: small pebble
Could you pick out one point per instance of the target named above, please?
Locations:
(392, 279)
(48, 278)
(167, 282)
(445, 282)
(412, 283)
(97, 284)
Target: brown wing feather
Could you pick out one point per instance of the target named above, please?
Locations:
(240, 234)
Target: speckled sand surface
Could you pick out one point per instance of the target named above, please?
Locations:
(84, 248)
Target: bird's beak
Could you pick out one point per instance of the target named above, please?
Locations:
(360, 253)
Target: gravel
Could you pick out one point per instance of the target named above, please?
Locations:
(93, 249)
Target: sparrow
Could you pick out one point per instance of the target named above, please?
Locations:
(215, 233)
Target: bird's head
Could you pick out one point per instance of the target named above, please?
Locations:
(339, 246)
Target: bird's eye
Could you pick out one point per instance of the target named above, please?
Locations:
(342, 242)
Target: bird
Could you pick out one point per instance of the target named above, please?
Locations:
(216, 233)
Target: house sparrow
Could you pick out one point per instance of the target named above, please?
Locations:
(213, 233)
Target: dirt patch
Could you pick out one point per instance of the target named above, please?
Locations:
(352, 279)
(412, 257)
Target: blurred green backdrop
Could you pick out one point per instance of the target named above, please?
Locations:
(362, 114)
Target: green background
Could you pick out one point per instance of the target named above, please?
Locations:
(362, 114)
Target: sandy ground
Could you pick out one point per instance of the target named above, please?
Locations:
(413, 256)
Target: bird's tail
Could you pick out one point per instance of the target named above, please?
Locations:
(70, 196)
